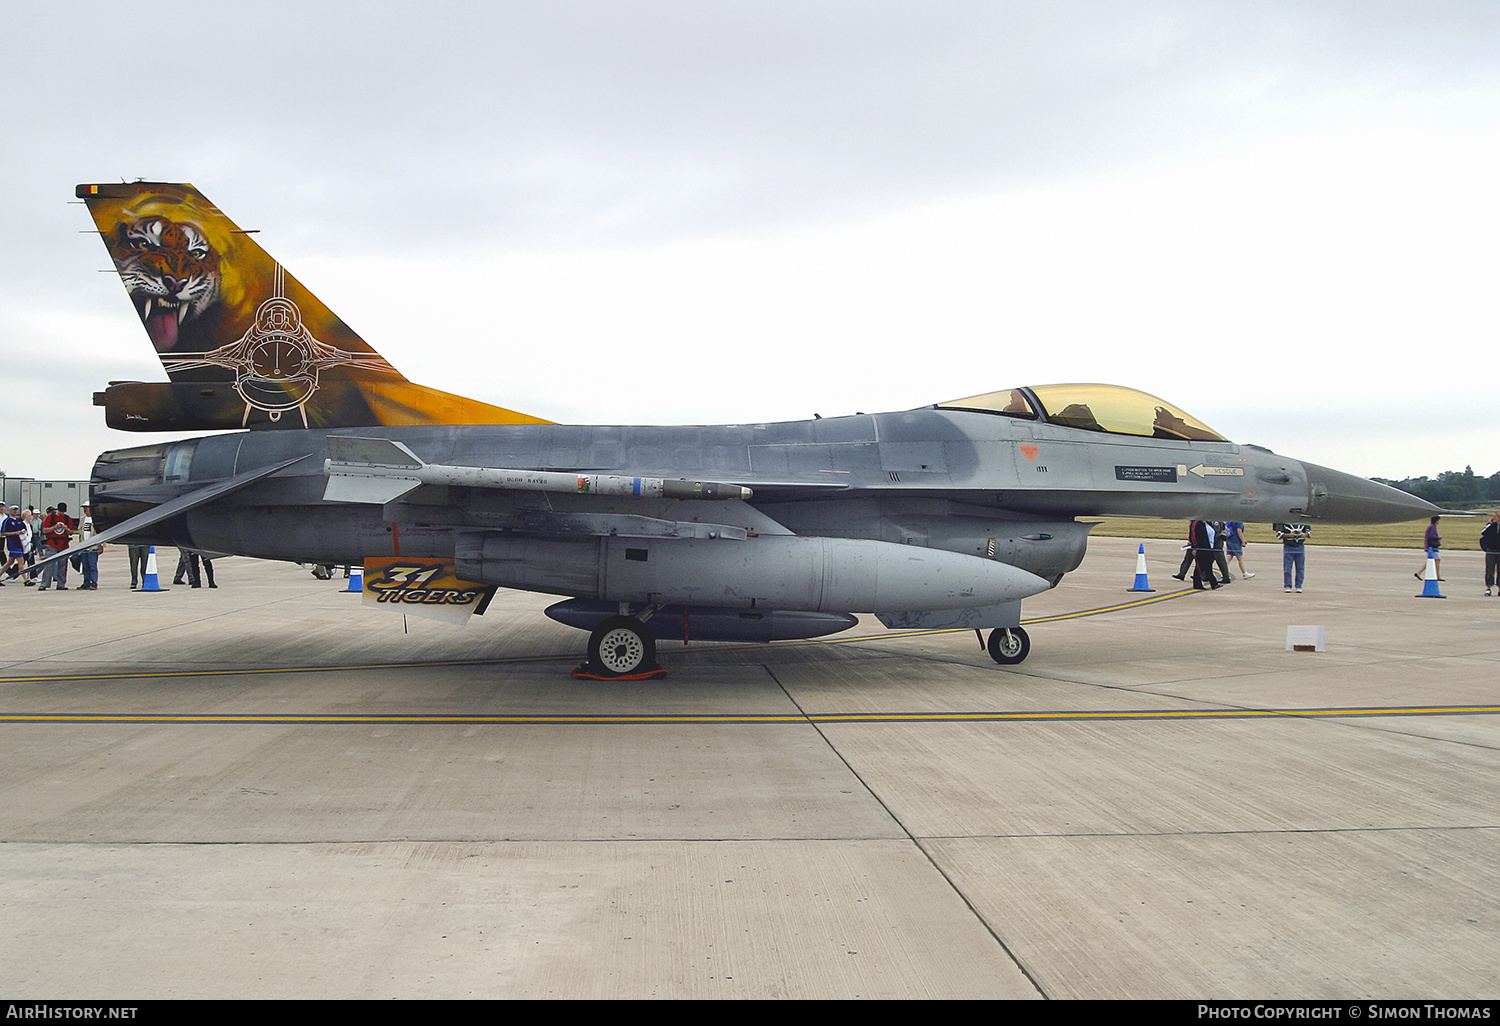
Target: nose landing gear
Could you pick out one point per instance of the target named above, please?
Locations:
(1009, 645)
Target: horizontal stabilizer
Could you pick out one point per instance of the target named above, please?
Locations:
(172, 507)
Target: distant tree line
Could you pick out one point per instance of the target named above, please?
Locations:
(1451, 487)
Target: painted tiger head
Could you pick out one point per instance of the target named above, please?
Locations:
(171, 273)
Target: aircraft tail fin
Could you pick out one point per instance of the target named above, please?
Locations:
(243, 342)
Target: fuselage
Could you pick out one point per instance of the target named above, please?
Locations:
(895, 476)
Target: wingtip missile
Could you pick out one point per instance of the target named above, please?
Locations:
(378, 470)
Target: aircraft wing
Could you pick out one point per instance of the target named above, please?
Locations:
(380, 471)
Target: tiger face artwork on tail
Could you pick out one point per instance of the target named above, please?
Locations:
(170, 271)
(243, 342)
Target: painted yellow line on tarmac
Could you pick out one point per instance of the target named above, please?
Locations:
(665, 650)
(239, 671)
(1056, 716)
(1133, 604)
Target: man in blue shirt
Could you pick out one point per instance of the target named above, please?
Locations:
(1234, 545)
(16, 533)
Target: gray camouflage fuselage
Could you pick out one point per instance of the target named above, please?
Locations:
(991, 487)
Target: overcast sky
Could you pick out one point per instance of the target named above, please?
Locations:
(1281, 216)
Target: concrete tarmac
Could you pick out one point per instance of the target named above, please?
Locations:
(267, 790)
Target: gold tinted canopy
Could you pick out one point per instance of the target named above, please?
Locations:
(1110, 408)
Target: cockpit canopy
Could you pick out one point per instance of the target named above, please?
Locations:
(1109, 408)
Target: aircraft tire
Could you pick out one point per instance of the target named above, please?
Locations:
(1009, 645)
(622, 647)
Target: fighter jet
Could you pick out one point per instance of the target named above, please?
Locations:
(943, 516)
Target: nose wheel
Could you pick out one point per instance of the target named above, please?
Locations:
(621, 648)
(1009, 645)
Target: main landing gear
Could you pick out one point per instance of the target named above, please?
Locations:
(1009, 645)
(621, 648)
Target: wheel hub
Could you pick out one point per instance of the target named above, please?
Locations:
(621, 651)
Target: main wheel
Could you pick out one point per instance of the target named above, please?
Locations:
(622, 647)
(1009, 645)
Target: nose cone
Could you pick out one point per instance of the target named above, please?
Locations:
(1340, 498)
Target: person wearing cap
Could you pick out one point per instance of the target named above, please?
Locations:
(33, 521)
(38, 539)
(88, 558)
(15, 532)
(57, 532)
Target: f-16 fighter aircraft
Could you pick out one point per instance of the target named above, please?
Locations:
(947, 515)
